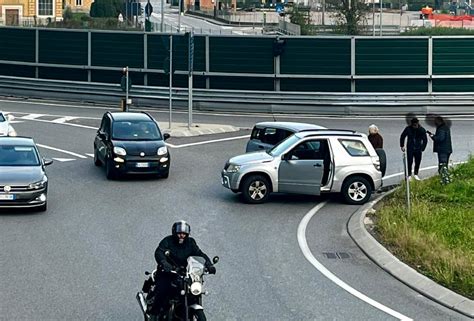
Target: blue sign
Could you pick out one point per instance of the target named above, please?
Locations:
(279, 8)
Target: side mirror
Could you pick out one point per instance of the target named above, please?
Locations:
(285, 157)
(47, 161)
(10, 117)
(215, 259)
(166, 136)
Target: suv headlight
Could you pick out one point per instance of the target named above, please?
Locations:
(233, 168)
(39, 184)
(162, 151)
(120, 151)
(11, 131)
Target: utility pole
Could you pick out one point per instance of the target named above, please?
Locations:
(190, 76)
(162, 15)
(179, 17)
(381, 9)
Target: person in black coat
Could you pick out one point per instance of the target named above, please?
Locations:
(180, 246)
(442, 142)
(416, 141)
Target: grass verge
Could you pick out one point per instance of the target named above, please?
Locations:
(437, 238)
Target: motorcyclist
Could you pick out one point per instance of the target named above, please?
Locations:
(180, 246)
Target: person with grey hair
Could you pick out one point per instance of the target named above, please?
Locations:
(377, 142)
(374, 137)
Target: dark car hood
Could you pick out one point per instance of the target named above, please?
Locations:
(135, 147)
(20, 175)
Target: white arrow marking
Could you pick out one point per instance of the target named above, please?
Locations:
(32, 116)
(64, 119)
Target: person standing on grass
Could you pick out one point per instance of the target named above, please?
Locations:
(416, 141)
(441, 142)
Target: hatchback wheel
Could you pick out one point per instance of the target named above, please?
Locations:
(255, 189)
(97, 161)
(109, 170)
(356, 190)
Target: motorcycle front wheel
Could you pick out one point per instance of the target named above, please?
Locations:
(199, 315)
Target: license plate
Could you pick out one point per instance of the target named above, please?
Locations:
(7, 197)
(141, 165)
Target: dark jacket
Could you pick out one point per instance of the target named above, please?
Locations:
(442, 140)
(376, 140)
(416, 138)
(179, 253)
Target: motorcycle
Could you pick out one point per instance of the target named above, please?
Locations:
(186, 305)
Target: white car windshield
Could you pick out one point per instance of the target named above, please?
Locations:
(283, 146)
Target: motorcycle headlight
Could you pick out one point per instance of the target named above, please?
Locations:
(11, 131)
(38, 185)
(196, 288)
(162, 151)
(233, 168)
(120, 151)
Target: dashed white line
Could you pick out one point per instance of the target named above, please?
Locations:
(301, 234)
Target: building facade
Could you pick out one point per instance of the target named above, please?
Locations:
(30, 12)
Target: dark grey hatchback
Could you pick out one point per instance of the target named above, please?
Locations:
(130, 142)
(23, 180)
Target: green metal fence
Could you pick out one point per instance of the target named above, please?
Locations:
(302, 64)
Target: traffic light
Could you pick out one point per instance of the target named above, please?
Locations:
(278, 47)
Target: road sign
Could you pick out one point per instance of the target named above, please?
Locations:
(279, 8)
(148, 9)
(191, 52)
(123, 83)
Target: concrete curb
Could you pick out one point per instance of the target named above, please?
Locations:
(383, 258)
(182, 130)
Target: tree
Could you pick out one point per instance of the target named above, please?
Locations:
(301, 16)
(350, 15)
(106, 8)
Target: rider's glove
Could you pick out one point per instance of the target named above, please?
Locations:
(211, 269)
(166, 266)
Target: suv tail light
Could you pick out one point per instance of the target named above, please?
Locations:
(376, 162)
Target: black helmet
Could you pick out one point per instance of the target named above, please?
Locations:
(181, 227)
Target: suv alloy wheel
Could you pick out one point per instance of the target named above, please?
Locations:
(356, 190)
(255, 189)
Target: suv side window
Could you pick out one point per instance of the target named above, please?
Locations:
(354, 147)
(273, 136)
(256, 132)
(312, 149)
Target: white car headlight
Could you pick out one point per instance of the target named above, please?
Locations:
(120, 151)
(196, 288)
(162, 151)
(11, 131)
(233, 168)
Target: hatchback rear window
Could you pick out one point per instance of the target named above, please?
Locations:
(354, 147)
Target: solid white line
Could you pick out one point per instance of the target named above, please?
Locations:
(301, 234)
(208, 141)
(32, 116)
(62, 151)
(421, 169)
(64, 119)
(67, 124)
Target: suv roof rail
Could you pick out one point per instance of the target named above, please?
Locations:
(328, 130)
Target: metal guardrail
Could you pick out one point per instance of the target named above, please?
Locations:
(241, 100)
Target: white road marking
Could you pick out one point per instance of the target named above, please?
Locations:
(62, 120)
(32, 116)
(421, 169)
(301, 234)
(208, 141)
(90, 155)
(62, 151)
(64, 159)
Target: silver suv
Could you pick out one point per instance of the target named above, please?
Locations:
(308, 162)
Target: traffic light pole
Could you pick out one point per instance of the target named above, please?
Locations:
(126, 88)
(171, 81)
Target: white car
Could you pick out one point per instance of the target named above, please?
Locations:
(6, 129)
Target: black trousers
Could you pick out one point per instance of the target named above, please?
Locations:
(413, 155)
(443, 159)
(163, 291)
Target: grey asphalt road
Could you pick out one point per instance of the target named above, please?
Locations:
(84, 258)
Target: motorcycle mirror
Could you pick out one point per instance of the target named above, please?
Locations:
(215, 259)
(147, 273)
